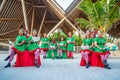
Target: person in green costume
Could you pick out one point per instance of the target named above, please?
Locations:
(19, 47)
(44, 45)
(92, 36)
(33, 47)
(61, 47)
(86, 46)
(53, 47)
(70, 46)
(101, 49)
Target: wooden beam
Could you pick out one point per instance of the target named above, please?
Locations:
(51, 21)
(74, 9)
(27, 15)
(81, 32)
(40, 6)
(32, 23)
(18, 26)
(8, 32)
(24, 14)
(56, 26)
(42, 21)
(68, 26)
(11, 19)
(56, 11)
(72, 25)
(2, 5)
(27, 3)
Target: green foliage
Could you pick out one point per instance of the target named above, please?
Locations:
(77, 40)
(100, 15)
(55, 35)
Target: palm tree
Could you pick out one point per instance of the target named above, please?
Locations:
(100, 15)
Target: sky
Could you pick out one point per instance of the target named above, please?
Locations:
(64, 3)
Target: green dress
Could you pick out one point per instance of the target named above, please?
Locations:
(44, 44)
(62, 45)
(19, 39)
(63, 48)
(33, 45)
(86, 42)
(52, 51)
(92, 41)
(70, 46)
(100, 42)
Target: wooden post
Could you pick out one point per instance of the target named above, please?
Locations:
(42, 21)
(32, 23)
(27, 15)
(56, 26)
(24, 14)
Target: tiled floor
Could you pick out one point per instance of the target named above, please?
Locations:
(66, 69)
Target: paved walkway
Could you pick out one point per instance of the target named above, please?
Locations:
(65, 69)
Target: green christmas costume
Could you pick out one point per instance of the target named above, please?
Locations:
(70, 45)
(63, 48)
(33, 45)
(52, 45)
(92, 42)
(100, 42)
(45, 43)
(22, 47)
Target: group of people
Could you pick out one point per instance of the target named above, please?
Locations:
(36, 44)
(94, 44)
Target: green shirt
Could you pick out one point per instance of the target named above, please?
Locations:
(62, 45)
(45, 42)
(87, 41)
(70, 46)
(100, 42)
(53, 45)
(19, 39)
(32, 45)
(28, 39)
(92, 41)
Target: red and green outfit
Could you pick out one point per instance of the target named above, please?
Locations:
(87, 42)
(19, 49)
(70, 47)
(44, 46)
(52, 50)
(34, 49)
(62, 49)
(103, 52)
